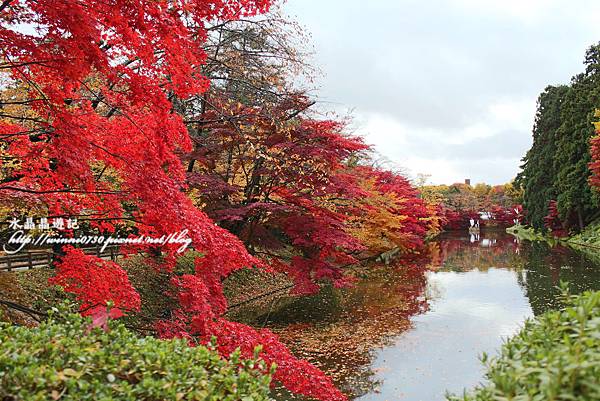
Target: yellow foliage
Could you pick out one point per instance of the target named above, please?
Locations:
(378, 228)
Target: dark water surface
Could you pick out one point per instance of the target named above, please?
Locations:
(414, 333)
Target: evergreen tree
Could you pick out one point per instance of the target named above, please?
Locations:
(575, 200)
(538, 175)
(556, 166)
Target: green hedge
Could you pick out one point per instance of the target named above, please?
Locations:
(555, 357)
(63, 360)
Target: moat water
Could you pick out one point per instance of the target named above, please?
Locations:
(416, 330)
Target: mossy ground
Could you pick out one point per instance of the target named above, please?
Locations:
(244, 290)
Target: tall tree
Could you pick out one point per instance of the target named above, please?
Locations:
(556, 168)
(537, 176)
(575, 201)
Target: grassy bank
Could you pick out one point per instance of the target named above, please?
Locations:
(554, 357)
(586, 242)
(530, 234)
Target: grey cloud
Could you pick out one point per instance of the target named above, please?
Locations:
(436, 65)
(504, 144)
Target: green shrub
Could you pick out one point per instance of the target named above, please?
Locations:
(555, 357)
(64, 360)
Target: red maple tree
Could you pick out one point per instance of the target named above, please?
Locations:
(103, 142)
(93, 130)
(553, 222)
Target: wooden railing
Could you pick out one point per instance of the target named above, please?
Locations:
(33, 259)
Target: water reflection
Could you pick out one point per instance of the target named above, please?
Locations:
(366, 317)
(414, 330)
(470, 313)
(545, 270)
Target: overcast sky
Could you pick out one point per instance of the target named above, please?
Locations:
(448, 87)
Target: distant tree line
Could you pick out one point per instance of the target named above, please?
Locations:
(458, 204)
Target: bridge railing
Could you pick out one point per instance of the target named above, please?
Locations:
(44, 257)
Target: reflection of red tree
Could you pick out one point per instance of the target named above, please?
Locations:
(375, 310)
(560, 252)
(465, 255)
(435, 253)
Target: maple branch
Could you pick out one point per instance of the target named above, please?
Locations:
(257, 88)
(18, 102)
(74, 191)
(227, 22)
(30, 132)
(21, 118)
(214, 120)
(235, 126)
(101, 172)
(302, 109)
(108, 152)
(266, 294)
(10, 64)
(22, 308)
(35, 314)
(287, 287)
(5, 4)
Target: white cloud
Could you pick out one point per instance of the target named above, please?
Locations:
(383, 131)
(439, 170)
(513, 113)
